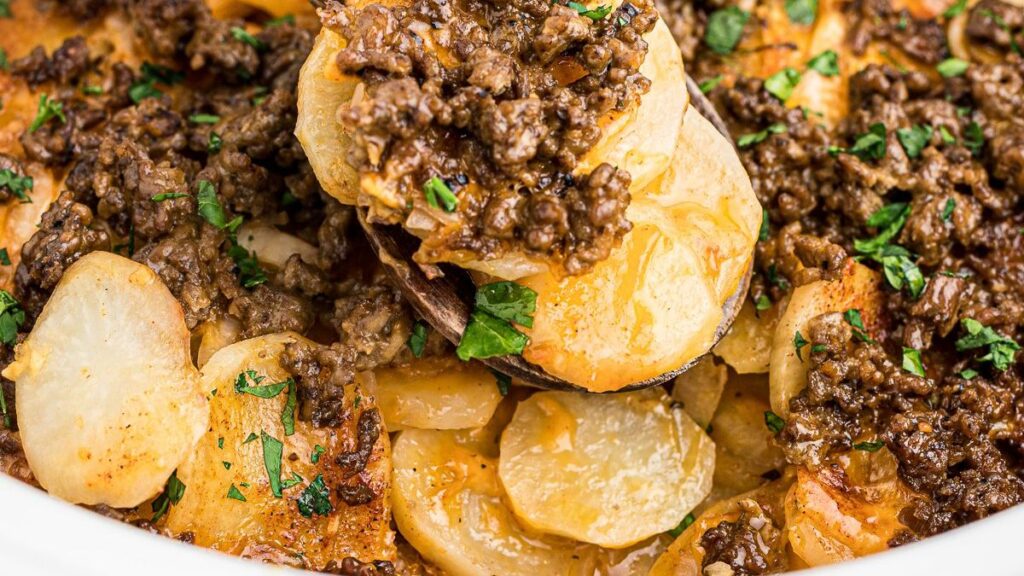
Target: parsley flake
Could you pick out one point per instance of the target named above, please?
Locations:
(436, 190)
(268, 391)
(487, 336)
(914, 139)
(150, 76)
(211, 210)
(5, 258)
(12, 316)
(956, 9)
(291, 403)
(286, 19)
(912, 362)
(686, 522)
(318, 451)
(762, 303)
(47, 110)
(826, 63)
(272, 450)
(215, 143)
(773, 421)
(802, 11)
(974, 138)
(174, 490)
(594, 14)
(235, 494)
(947, 137)
(710, 84)
(504, 382)
(782, 83)
(765, 230)
(747, 140)
(20, 186)
(724, 29)
(418, 339)
(508, 301)
(968, 374)
(869, 446)
(167, 196)
(241, 35)
(947, 210)
(952, 67)
(799, 342)
(315, 499)
(1001, 349)
(204, 118)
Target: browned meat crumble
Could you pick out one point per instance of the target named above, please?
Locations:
(501, 111)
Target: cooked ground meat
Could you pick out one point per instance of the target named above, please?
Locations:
(747, 546)
(352, 567)
(502, 126)
(954, 431)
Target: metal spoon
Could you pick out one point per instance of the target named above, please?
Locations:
(446, 302)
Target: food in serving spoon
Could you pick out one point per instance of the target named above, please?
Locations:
(692, 219)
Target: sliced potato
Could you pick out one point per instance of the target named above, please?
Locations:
(439, 393)
(273, 247)
(449, 503)
(610, 470)
(744, 451)
(694, 229)
(857, 287)
(263, 525)
(108, 400)
(747, 347)
(832, 515)
(700, 388)
(214, 335)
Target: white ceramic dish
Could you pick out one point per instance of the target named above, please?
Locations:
(42, 536)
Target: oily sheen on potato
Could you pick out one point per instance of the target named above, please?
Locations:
(253, 522)
(610, 470)
(108, 400)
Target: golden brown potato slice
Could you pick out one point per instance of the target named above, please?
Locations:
(748, 344)
(858, 287)
(694, 229)
(108, 400)
(273, 247)
(744, 451)
(699, 389)
(438, 393)
(233, 454)
(611, 470)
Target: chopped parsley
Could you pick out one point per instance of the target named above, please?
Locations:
(490, 331)
(92, 90)
(252, 437)
(758, 137)
(318, 451)
(4, 64)
(436, 191)
(315, 499)
(3, 410)
(952, 67)
(853, 318)
(802, 11)
(204, 118)
(12, 316)
(772, 275)
(174, 490)
(826, 63)
(215, 143)
(947, 210)
(220, 442)
(912, 362)
(508, 301)
(1001, 349)
(248, 268)
(20, 186)
(1005, 28)
(710, 84)
(686, 522)
(762, 303)
(5, 258)
(295, 480)
(242, 385)
(773, 421)
(869, 446)
(799, 342)
(47, 110)
(956, 9)
(272, 450)
(765, 230)
(151, 75)
(418, 339)
(724, 29)
(168, 196)
(946, 136)
(241, 35)
(226, 464)
(974, 138)
(818, 348)
(897, 262)
(5, 9)
(968, 374)
(914, 139)
(595, 14)
(290, 404)
(504, 382)
(782, 83)
(871, 145)
(211, 210)
(235, 494)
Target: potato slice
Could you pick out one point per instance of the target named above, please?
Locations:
(214, 335)
(857, 287)
(699, 389)
(641, 464)
(449, 503)
(273, 247)
(264, 526)
(747, 347)
(108, 400)
(439, 393)
(694, 229)
(744, 451)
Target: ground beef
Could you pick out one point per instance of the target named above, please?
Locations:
(368, 431)
(352, 567)
(85, 9)
(68, 62)
(874, 20)
(266, 310)
(374, 321)
(523, 104)
(322, 373)
(65, 234)
(748, 545)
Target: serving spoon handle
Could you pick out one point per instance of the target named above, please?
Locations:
(445, 302)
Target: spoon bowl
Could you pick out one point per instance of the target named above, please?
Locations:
(446, 301)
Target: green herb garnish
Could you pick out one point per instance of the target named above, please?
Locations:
(249, 271)
(12, 316)
(952, 67)
(211, 210)
(912, 362)
(956, 9)
(315, 499)
(853, 318)
(250, 438)
(5, 258)
(47, 110)
(782, 83)
(242, 36)
(418, 339)
(152, 74)
(286, 19)
(773, 421)
(869, 446)
(724, 29)
(968, 374)
(1001, 349)
(486, 336)
(826, 63)
(765, 230)
(504, 382)
(762, 303)
(215, 143)
(757, 137)
(914, 139)
(235, 494)
(947, 210)
(20, 186)
(595, 14)
(242, 385)
(709, 84)
(437, 191)
(974, 138)
(686, 522)
(204, 118)
(168, 196)
(799, 342)
(292, 402)
(508, 301)
(802, 11)
(318, 451)
(174, 490)
(272, 450)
